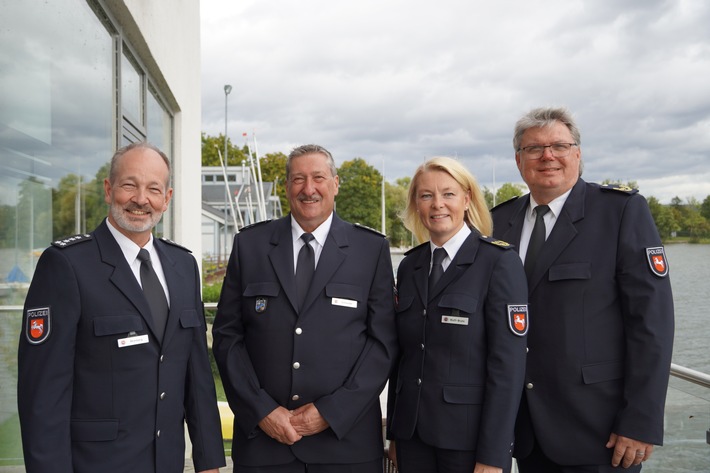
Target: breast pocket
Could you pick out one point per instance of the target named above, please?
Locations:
(458, 304)
(570, 271)
(268, 289)
(347, 297)
(117, 324)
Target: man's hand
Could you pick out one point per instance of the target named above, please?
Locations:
(392, 453)
(307, 420)
(277, 425)
(628, 451)
(481, 468)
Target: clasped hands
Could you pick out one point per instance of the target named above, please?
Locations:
(288, 427)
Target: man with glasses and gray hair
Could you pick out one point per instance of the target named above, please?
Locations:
(601, 309)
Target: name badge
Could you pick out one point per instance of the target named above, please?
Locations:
(345, 303)
(130, 341)
(452, 319)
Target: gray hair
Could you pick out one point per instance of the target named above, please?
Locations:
(546, 117)
(542, 117)
(139, 144)
(310, 149)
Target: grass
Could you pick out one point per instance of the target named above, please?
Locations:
(10, 442)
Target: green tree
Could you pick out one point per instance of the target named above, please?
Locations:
(507, 191)
(359, 196)
(210, 155)
(64, 203)
(663, 217)
(395, 203)
(95, 206)
(273, 169)
(705, 208)
(488, 195)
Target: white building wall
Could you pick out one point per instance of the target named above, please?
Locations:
(166, 35)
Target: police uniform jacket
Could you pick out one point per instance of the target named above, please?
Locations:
(462, 359)
(601, 338)
(337, 351)
(88, 405)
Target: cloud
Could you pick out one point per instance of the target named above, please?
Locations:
(396, 82)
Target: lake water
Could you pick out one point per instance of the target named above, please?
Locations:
(690, 279)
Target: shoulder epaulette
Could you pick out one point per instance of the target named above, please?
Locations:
(363, 227)
(415, 248)
(72, 240)
(494, 241)
(619, 188)
(252, 225)
(512, 199)
(170, 242)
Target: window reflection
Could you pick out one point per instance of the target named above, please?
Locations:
(131, 91)
(56, 128)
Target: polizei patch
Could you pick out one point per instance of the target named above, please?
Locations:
(657, 261)
(518, 319)
(39, 324)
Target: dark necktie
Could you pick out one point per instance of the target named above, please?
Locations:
(436, 268)
(537, 239)
(305, 267)
(154, 293)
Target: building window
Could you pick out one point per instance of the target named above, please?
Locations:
(60, 84)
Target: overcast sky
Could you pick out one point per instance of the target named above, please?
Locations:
(399, 81)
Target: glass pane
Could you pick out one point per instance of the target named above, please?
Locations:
(159, 124)
(159, 128)
(56, 130)
(131, 91)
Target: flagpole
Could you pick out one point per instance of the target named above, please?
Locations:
(260, 189)
(383, 197)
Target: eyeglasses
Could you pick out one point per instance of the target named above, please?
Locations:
(558, 150)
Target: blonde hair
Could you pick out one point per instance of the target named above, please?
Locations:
(476, 214)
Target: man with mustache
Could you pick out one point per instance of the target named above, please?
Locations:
(304, 335)
(601, 309)
(113, 354)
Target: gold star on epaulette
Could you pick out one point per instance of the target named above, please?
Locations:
(619, 188)
(494, 241)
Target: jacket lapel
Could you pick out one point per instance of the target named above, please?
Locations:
(463, 259)
(281, 257)
(122, 276)
(176, 288)
(562, 234)
(515, 224)
(331, 258)
(421, 272)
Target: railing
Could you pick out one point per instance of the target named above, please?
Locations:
(687, 411)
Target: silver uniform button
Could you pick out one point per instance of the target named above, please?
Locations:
(296, 365)
(299, 331)
(419, 382)
(424, 312)
(529, 385)
(157, 434)
(162, 396)
(162, 357)
(422, 347)
(295, 397)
